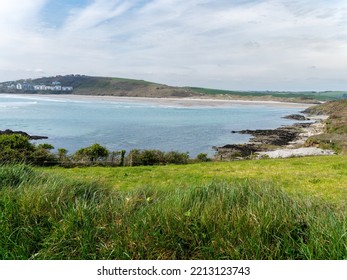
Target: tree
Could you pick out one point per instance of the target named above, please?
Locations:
(62, 155)
(43, 155)
(92, 153)
(15, 148)
(176, 157)
(203, 157)
(96, 152)
(133, 158)
(122, 157)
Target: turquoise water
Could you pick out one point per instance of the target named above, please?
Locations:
(73, 124)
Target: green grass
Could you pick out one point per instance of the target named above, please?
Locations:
(323, 177)
(202, 211)
(322, 96)
(335, 134)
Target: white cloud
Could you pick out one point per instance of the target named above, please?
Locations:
(224, 44)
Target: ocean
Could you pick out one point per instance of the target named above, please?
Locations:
(121, 123)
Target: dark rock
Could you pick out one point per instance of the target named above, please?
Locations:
(31, 137)
(237, 151)
(262, 140)
(296, 117)
(279, 136)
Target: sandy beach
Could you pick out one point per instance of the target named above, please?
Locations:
(177, 102)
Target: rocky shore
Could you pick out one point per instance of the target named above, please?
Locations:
(31, 137)
(285, 141)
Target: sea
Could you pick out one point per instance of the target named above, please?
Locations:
(74, 123)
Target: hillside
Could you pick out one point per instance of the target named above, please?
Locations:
(87, 85)
(335, 134)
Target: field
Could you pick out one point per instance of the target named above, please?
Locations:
(304, 95)
(322, 177)
(266, 209)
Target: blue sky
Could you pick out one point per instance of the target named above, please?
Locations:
(226, 44)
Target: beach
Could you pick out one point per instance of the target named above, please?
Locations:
(177, 102)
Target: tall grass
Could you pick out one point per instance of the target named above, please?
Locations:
(45, 217)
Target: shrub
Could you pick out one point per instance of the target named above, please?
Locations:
(176, 158)
(203, 157)
(15, 148)
(93, 153)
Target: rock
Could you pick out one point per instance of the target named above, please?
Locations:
(236, 151)
(261, 141)
(31, 137)
(280, 136)
(296, 117)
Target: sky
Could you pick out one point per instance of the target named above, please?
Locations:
(225, 44)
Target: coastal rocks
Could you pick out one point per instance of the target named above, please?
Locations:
(282, 142)
(31, 137)
(279, 137)
(262, 140)
(296, 117)
(236, 151)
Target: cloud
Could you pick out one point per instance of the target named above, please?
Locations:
(99, 12)
(220, 43)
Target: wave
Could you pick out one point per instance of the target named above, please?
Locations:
(16, 104)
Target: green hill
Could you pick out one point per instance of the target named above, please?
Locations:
(335, 134)
(88, 85)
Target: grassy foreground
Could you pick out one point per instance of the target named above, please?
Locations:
(323, 177)
(45, 216)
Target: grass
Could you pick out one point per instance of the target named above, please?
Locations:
(310, 95)
(335, 134)
(323, 177)
(47, 216)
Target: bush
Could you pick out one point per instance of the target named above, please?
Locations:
(155, 157)
(145, 157)
(93, 153)
(203, 157)
(15, 148)
(176, 158)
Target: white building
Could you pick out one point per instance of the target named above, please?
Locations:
(67, 88)
(19, 86)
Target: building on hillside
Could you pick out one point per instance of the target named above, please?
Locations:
(27, 86)
(49, 88)
(39, 87)
(67, 88)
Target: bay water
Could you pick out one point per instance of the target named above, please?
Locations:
(74, 123)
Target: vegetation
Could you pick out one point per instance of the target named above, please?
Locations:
(322, 177)
(87, 85)
(16, 148)
(294, 96)
(92, 154)
(44, 217)
(335, 135)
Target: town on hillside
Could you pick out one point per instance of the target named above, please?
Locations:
(27, 86)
